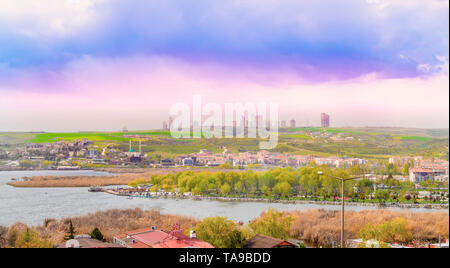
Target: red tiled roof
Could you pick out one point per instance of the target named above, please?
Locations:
(184, 243)
(148, 238)
(263, 241)
(151, 237)
(139, 244)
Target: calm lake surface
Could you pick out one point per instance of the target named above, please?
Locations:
(33, 205)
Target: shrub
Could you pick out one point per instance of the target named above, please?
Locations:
(96, 234)
(220, 232)
(273, 223)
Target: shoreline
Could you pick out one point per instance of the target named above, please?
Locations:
(120, 179)
(115, 177)
(281, 201)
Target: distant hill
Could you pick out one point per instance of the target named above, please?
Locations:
(364, 142)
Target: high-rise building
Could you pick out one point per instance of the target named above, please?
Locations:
(325, 120)
(283, 124)
(292, 123)
(165, 127)
(170, 122)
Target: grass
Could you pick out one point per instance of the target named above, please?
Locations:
(297, 136)
(94, 136)
(414, 138)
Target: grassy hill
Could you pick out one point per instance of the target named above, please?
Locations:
(367, 142)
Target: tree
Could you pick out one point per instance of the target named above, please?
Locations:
(239, 186)
(405, 169)
(282, 188)
(273, 223)
(3, 236)
(382, 195)
(265, 189)
(96, 234)
(226, 166)
(225, 189)
(28, 164)
(71, 232)
(331, 186)
(30, 239)
(365, 187)
(220, 232)
(47, 164)
(197, 190)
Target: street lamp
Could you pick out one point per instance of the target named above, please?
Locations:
(320, 173)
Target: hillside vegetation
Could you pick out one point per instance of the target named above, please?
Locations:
(377, 143)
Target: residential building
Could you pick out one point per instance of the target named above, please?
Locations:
(417, 175)
(188, 162)
(153, 238)
(262, 241)
(325, 120)
(292, 123)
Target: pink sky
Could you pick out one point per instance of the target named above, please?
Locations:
(137, 92)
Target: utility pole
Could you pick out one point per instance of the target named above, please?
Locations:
(342, 201)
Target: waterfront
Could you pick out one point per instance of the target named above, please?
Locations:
(33, 205)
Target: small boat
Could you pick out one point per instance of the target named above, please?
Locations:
(129, 197)
(95, 189)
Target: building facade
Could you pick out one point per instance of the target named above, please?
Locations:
(324, 120)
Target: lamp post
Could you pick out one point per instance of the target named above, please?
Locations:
(343, 180)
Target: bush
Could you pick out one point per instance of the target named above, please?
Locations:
(273, 223)
(390, 231)
(220, 232)
(96, 234)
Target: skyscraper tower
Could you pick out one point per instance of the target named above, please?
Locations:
(325, 120)
(292, 123)
(170, 122)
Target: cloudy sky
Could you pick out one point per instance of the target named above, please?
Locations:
(69, 65)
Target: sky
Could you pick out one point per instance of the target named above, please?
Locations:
(74, 65)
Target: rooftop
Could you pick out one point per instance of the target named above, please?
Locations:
(150, 238)
(263, 241)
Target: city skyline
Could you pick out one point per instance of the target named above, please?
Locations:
(84, 65)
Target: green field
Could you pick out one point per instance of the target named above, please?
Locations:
(414, 138)
(94, 136)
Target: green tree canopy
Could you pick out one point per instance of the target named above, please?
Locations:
(96, 234)
(273, 223)
(220, 232)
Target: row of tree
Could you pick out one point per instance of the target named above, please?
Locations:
(279, 182)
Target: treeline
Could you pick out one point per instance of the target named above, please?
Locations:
(278, 183)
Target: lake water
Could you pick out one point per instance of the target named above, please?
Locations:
(33, 205)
